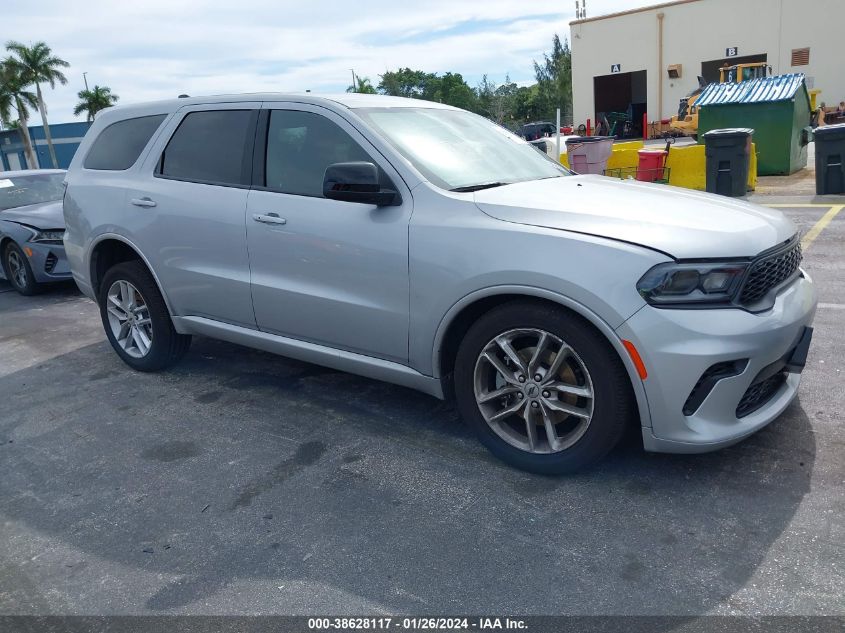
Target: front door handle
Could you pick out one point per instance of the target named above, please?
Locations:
(268, 218)
(143, 202)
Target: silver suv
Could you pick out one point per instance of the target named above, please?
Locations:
(423, 245)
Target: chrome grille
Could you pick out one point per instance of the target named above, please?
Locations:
(767, 273)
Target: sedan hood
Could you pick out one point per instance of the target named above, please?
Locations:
(46, 215)
(682, 223)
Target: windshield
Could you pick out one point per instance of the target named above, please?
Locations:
(19, 191)
(455, 149)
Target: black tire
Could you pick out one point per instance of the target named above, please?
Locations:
(168, 346)
(29, 287)
(613, 406)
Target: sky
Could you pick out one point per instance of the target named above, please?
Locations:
(157, 49)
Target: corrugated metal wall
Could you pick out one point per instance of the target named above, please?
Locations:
(66, 139)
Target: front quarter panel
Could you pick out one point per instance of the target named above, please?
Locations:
(457, 251)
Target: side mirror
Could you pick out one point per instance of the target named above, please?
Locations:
(357, 182)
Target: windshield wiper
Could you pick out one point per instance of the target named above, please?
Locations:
(479, 187)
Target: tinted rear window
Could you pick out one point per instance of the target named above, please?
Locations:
(209, 147)
(120, 144)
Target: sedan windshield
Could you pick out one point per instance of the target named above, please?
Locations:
(460, 151)
(19, 191)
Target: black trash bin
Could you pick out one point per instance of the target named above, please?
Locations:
(830, 159)
(728, 154)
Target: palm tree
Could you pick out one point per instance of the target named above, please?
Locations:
(362, 84)
(94, 100)
(37, 64)
(14, 96)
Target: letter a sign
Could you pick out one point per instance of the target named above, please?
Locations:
(616, 68)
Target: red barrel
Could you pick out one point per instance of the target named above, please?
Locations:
(651, 164)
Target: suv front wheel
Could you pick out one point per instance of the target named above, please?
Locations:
(137, 321)
(542, 389)
(18, 271)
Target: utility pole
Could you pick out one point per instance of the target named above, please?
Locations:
(354, 83)
(85, 79)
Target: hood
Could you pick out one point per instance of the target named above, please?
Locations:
(46, 215)
(682, 223)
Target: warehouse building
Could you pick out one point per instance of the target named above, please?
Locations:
(66, 139)
(644, 61)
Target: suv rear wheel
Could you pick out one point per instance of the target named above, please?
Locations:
(541, 388)
(137, 321)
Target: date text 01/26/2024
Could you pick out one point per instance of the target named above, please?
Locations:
(415, 624)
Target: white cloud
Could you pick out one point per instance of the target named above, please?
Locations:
(153, 49)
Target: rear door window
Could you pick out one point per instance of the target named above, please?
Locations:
(211, 147)
(120, 144)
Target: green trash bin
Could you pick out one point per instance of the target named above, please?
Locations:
(778, 109)
(830, 159)
(728, 153)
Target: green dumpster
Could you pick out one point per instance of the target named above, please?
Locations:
(776, 108)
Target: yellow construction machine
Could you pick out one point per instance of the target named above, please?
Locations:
(686, 121)
(744, 72)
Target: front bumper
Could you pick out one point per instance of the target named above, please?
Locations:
(678, 346)
(48, 261)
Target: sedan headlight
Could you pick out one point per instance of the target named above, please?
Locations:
(48, 237)
(691, 283)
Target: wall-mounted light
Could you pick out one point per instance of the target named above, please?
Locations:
(675, 71)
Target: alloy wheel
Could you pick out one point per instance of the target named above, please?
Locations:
(129, 319)
(533, 390)
(17, 268)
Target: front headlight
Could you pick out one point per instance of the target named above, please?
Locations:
(692, 283)
(48, 237)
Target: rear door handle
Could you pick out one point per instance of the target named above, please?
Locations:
(268, 218)
(143, 202)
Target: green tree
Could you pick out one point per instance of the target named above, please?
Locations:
(14, 97)
(526, 104)
(405, 82)
(484, 94)
(36, 64)
(362, 85)
(451, 89)
(554, 81)
(94, 100)
(497, 102)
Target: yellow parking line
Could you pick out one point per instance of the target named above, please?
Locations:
(819, 226)
(798, 206)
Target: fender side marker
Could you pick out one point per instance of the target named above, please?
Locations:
(635, 356)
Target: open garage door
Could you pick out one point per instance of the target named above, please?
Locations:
(621, 100)
(710, 70)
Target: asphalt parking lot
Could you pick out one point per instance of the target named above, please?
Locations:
(242, 482)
